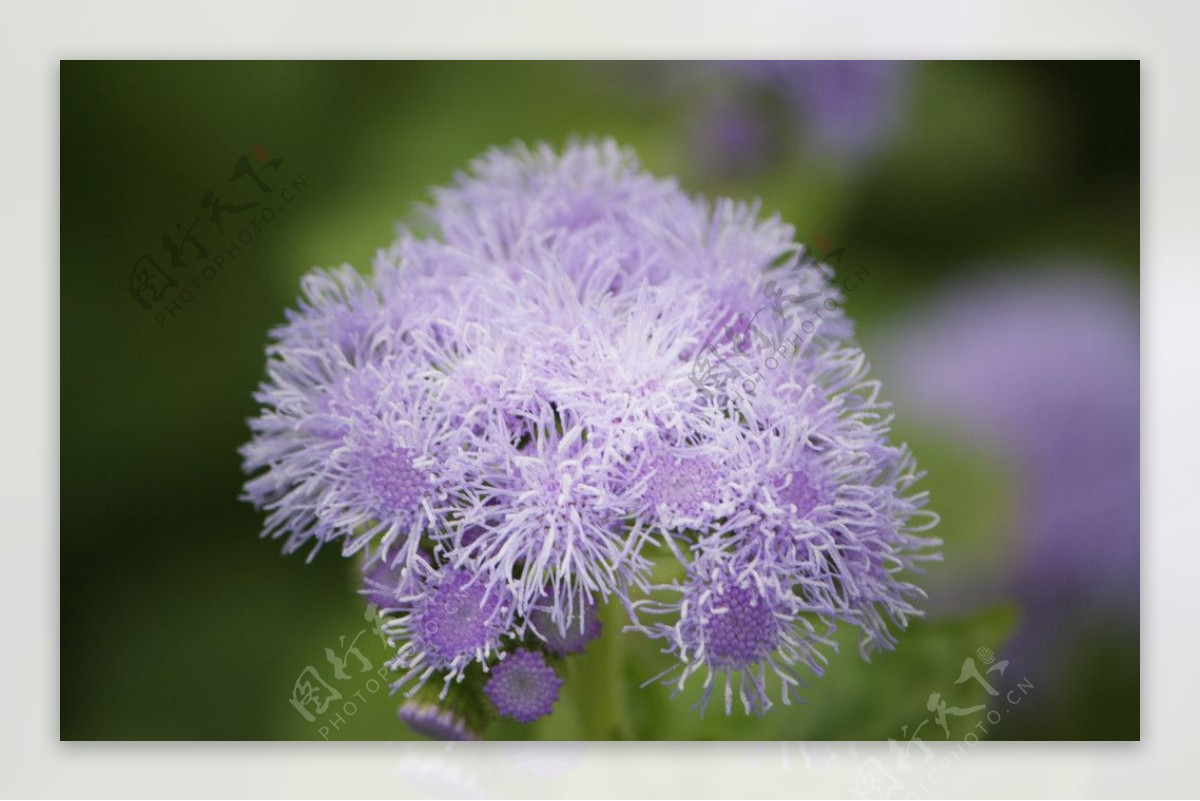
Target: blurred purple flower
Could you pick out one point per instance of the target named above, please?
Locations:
(844, 110)
(730, 138)
(435, 722)
(1044, 367)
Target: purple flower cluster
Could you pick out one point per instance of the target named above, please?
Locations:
(504, 422)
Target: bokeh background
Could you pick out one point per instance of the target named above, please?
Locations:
(992, 207)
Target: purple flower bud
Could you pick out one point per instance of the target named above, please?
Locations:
(435, 722)
(523, 686)
(571, 637)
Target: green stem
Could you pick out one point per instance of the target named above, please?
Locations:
(600, 682)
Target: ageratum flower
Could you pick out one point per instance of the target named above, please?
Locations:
(573, 372)
(742, 631)
(449, 619)
(349, 443)
(523, 687)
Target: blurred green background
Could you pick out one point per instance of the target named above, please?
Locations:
(178, 622)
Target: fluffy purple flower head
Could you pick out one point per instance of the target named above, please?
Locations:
(683, 488)
(449, 620)
(523, 687)
(348, 450)
(741, 633)
(575, 370)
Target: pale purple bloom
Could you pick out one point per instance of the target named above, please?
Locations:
(573, 362)
(818, 516)
(742, 632)
(350, 450)
(450, 619)
(523, 687)
(683, 487)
